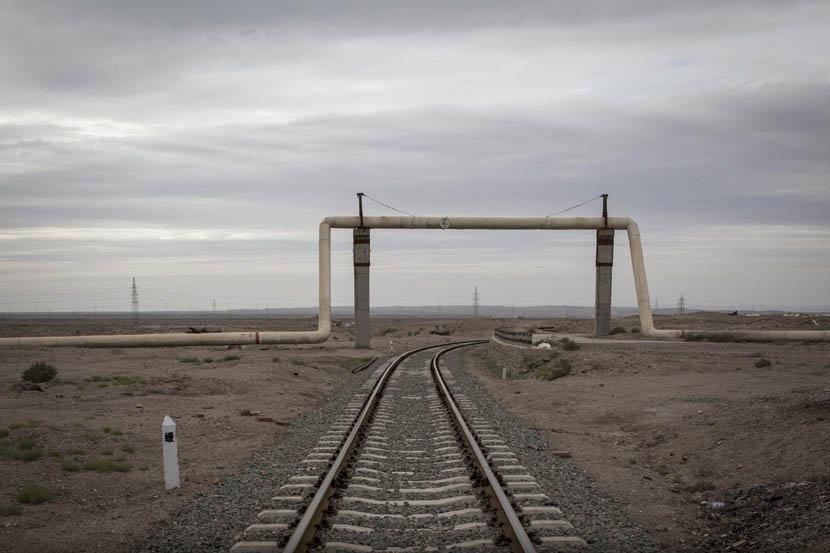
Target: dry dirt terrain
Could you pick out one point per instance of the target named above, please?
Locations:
(663, 427)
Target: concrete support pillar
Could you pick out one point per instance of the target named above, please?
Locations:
(362, 324)
(604, 263)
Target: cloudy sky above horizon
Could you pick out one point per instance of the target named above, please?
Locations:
(196, 145)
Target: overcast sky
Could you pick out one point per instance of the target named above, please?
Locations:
(197, 144)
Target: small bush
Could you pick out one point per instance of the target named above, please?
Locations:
(618, 330)
(231, 358)
(35, 494)
(70, 466)
(207, 360)
(635, 330)
(126, 448)
(4, 432)
(28, 455)
(39, 372)
(298, 361)
(763, 362)
(275, 360)
(189, 360)
(75, 451)
(26, 443)
(112, 431)
(17, 454)
(25, 424)
(568, 344)
(105, 465)
(554, 370)
(115, 379)
(10, 510)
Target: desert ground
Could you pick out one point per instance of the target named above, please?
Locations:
(667, 429)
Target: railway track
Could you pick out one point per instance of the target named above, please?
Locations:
(411, 466)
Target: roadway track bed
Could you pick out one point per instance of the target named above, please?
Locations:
(217, 520)
(595, 516)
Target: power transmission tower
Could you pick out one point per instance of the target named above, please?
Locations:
(214, 305)
(475, 302)
(681, 305)
(134, 302)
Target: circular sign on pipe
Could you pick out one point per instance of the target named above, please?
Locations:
(445, 223)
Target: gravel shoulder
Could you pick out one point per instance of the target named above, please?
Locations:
(215, 520)
(597, 518)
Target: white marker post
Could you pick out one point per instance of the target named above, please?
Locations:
(170, 451)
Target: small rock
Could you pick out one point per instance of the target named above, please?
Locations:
(561, 453)
(265, 419)
(139, 406)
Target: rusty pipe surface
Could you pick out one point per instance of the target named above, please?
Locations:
(445, 223)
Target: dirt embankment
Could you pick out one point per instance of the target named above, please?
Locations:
(89, 443)
(671, 429)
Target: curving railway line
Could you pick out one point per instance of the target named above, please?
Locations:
(411, 466)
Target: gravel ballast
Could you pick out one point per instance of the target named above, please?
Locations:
(215, 520)
(596, 517)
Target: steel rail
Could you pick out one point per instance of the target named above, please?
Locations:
(520, 542)
(304, 532)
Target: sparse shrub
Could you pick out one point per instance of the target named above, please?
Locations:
(635, 330)
(112, 431)
(35, 494)
(106, 465)
(763, 362)
(10, 510)
(207, 360)
(568, 344)
(28, 453)
(126, 448)
(618, 330)
(231, 357)
(298, 361)
(386, 331)
(26, 443)
(39, 372)
(189, 360)
(75, 451)
(4, 432)
(554, 370)
(54, 453)
(70, 466)
(597, 367)
(275, 360)
(115, 379)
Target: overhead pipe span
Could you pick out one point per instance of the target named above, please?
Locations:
(457, 223)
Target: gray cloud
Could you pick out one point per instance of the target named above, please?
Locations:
(169, 139)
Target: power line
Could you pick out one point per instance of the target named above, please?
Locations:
(475, 303)
(388, 206)
(575, 206)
